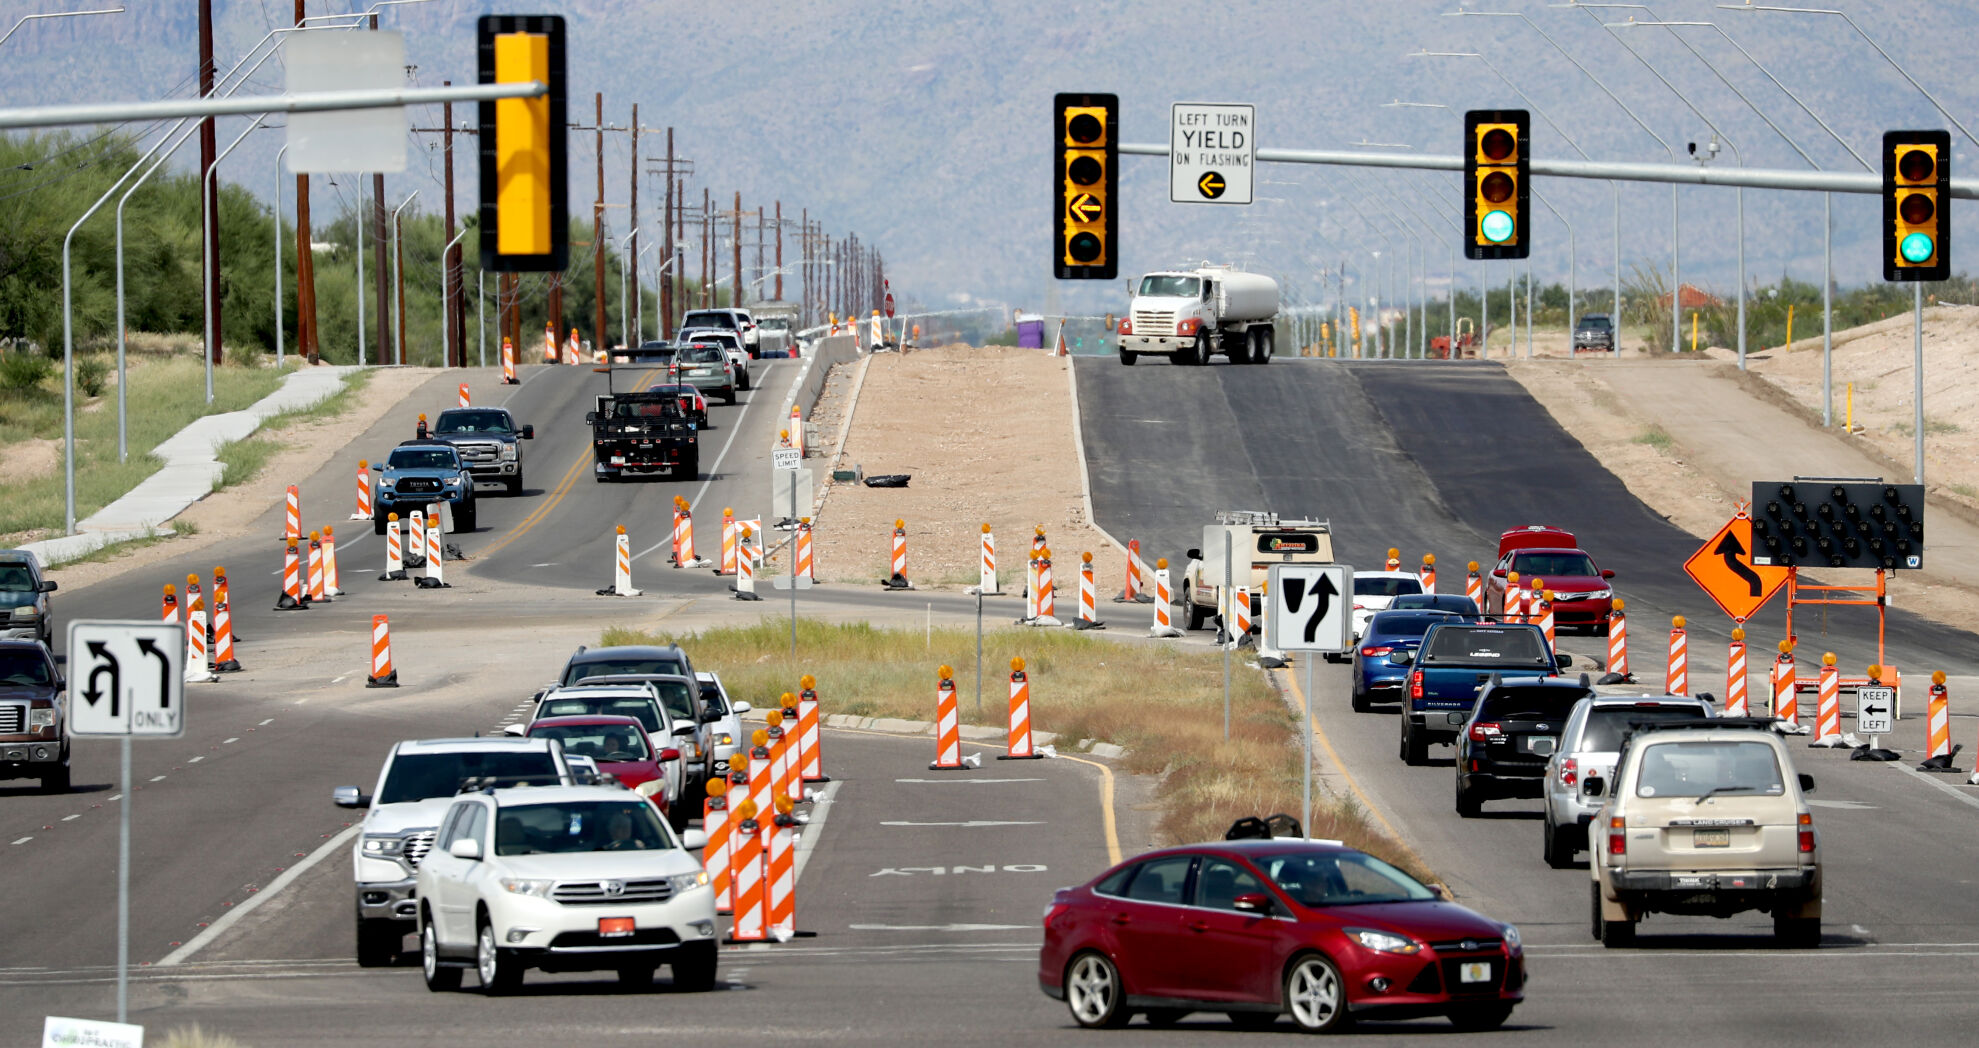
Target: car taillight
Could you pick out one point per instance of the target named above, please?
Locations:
(1618, 842)
(1415, 685)
(1358, 606)
(1486, 730)
(1126, 326)
(1368, 653)
(1569, 772)
(1806, 833)
(1052, 911)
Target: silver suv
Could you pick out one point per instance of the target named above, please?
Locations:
(1705, 818)
(1589, 744)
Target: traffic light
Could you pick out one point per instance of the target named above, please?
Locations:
(1495, 173)
(1916, 194)
(525, 221)
(1084, 133)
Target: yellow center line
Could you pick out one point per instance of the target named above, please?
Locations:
(1106, 807)
(1333, 758)
(556, 496)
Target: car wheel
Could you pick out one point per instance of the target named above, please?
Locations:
(1252, 1020)
(464, 521)
(694, 967)
(1481, 1016)
(56, 781)
(1799, 933)
(499, 971)
(728, 395)
(438, 979)
(1361, 704)
(1128, 356)
(514, 485)
(1194, 614)
(378, 942)
(1316, 996)
(636, 977)
(1559, 847)
(378, 520)
(1470, 803)
(1093, 992)
(1613, 934)
(1415, 751)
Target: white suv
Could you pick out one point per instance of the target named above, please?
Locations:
(415, 787)
(572, 878)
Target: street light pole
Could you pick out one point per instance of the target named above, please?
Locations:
(624, 317)
(25, 19)
(210, 265)
(398, 296)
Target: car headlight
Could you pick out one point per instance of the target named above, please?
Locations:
(1600, 594)
(38, 719)
(27, 612)
(387, 482)
(527, 886)
(508, 452)
(1512, 938)
(384, 847)
(453, 482)
(681, 882)
(1383, 942)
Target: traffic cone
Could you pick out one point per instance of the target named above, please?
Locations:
(223, 626)
(1545, 614)
(293, 597)
(1427, 576)
(622, 568)
(573, 352)
(986, 583)
(1474, 585)
(1618, 638)
(1047, 593)
(1088, 597)
(1938, 748)
(762, 769)
(783, 763)
(1675, 677)
(1020, 748)
(805, 567)
(948, 724)
(1735, 676)
(897, 580)
(745, 874)
(683, 535)
(383, 673)
(1162, 602)
(169, 607)
(781, 873)
(1828, 706)
(508, 362)
(1394, 559)
(1514, 599)
(1240, 618)
(436, 574)
(810, 738)
(316, 579)
(714, 854)
(797, 430)
(330, 587)
(728, 565)
(415, 539)
(1131, 590)
(363, 491)
(394, 551)
(419, 430)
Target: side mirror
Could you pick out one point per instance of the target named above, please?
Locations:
(685, 729)
(46, 586)
(1806, 783)
(349, 797)
(694, 840)
(517, 730)
(742, 707)
(1457, 720)
(1563, 661)
(466, 848)
(591, 416)
(1194, 554)
(1401, 656)
(1498, 573)
(711, 715)
(1607, 573)
(669, 754)
(1252, 902)
(529, 432)
(1594, 786)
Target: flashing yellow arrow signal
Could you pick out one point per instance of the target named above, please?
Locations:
(1085, 207)
(1211, 184)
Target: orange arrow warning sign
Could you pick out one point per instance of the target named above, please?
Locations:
(1723, 568)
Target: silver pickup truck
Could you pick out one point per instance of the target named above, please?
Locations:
(489, 442)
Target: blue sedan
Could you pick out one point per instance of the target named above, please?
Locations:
(1451, 602)
(1376, 677)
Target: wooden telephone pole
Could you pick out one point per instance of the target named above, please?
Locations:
(305, 262)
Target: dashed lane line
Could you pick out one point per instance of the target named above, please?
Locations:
(24, 840)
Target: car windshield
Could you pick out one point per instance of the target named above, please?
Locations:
(16, 578)
(1553, 565)
(660, 351)
(1451, 602)
(1170, 287)
(605, 743)
(25, 667)
(418, 776)
(1509, 647)
(1342, 878)
(775, 323)
(579, 826)
(642, 709)
(701, 355)
(1409, 624)
(1693, 769)
(1385, 586)
(1529, 703)
(676, 697)
(423, 458)
(578, 671)
(1594, 323)
(708, 319)
(1607, 724)
(474, 422)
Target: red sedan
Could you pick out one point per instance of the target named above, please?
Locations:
(1263, 928)
(619, 745)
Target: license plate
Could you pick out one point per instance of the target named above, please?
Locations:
(1475, 972)
(1541, 744)
(1711, 838)
(614, 927)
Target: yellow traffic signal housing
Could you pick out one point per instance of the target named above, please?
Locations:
(1496, 170)
(1085, 141)
(1916, 192)
(525, 221)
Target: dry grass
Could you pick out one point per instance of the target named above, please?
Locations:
(194, 1037)
(1164, 704)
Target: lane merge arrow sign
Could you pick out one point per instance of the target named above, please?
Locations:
(1723, 568)
(1311, 607)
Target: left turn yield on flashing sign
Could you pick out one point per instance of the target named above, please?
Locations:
(127, 678)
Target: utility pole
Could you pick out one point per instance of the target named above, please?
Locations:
(666, 285)
(456, 331)
(598, 227)
(209, 202)
(779, 251)
(398, 267)
(631, 260)
(735, 239)
(759, 243)
(707, 248)
(305, 264)
(679, 278)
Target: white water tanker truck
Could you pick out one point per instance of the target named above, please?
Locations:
(1188, 314)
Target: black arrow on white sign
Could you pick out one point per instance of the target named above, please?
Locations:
(145, 645)
(1322, 593)
(1733, 551)
(105, 663)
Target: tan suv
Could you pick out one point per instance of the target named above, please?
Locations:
(1705, 818)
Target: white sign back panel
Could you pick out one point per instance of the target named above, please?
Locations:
(346, 139)
(127, 678)
(1312, 608)
(792, 492)
(1212, 151)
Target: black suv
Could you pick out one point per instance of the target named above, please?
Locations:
(1595, 331)
(34, 728)
(1512, 731)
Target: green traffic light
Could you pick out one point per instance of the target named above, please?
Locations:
(1497, 227)
(1917, 248)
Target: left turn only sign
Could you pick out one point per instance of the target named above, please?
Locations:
(127, 678)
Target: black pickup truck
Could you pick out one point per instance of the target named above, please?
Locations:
(643, 433)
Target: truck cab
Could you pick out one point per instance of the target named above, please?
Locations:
(1257, 541)
(1454, 662)
(489, 441)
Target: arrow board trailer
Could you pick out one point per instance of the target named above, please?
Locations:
(127, 678)
(1212, 151)
(1311, 609)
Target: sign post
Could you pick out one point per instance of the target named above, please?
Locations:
(791, 485)
(1212, 151)
(1311, 613)
(126, 679)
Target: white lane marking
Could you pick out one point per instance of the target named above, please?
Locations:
(338, 680)
(734, 430)
(24, 840)
(972, 782)
(71, 818)
(1841, 805)
(157, 778)
(553, 563)
(821, 805)
(1939, 783)
(114, 797)
(288, 877)
(971, 824)
(202, 756)
(265, 723)
(939, 927)
(228, 742)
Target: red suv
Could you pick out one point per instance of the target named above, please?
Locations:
(1581, 594)
(1262, 928)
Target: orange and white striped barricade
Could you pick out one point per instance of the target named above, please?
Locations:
(1529, 592)
(394, 550)
(1030, 590)
(897, 561)
(806, 564)
(1020, 748)
(745, 875)
(714, 854)
(729, 535)
(508, 363)
(573, 351)
(383, 673)
(797, 431)
(316, 577)
(1474, 586)
(684, 555)
(1786, 690)
(762, 769)
(436, 557)
(1514, 604)
(197, 669)
(1543, 612)
(948, 725)
(679, 520)
(415, 539)
(1163, 602)
(783, 756)
(1047, 593)
(464, 401)
(1736, 704)
(1828, 705)
(292, 516)
(780, 872)
(745, 563)
(363, 491)
(1938, 751)
(330, 587)
(223, 626)
(1394, 560)
(1088, 596)
(810, 734)
(168, 607)
(419, 428)
(293, 596)
(1618, 638)
(1427, 576)
(986, 571)
(1676, 675)
(1242, 606)
(549, 344)
(1131, 590)
(621, 567)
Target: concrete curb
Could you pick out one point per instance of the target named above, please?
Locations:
(972, 732)
(191, 469)
(1079, 444)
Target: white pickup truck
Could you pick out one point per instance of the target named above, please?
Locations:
(1190, 314)
(1257, 541)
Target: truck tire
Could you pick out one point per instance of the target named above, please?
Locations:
(690, 467)
(1239, 349)
(513, 485)
(378, 942)
(378, 516)
(464, 518)
(1414, 748)
(56, 779)
(1128, 356)
(1261, 350)
(1194, 612)
(1799, 933)
(1470, 803)
(1559, 847)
